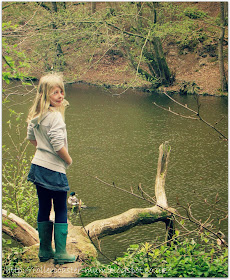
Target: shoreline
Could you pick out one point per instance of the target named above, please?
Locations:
(174, 89)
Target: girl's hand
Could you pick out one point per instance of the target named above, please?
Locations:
(63, 154)
(70, 162)
(34, 142)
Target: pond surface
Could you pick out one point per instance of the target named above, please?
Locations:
(117, 140)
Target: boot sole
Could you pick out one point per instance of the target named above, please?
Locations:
(63, 261)
(45, 259)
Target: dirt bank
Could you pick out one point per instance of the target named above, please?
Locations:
(199, 65)
(188, 67)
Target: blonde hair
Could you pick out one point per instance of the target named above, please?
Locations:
(42, 100)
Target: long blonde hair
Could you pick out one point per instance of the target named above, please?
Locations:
(42, 100)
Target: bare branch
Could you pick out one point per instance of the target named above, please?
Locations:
(178, 114)
(196, 113)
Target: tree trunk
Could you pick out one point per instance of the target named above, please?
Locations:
(164, 152)
(223, 81)
(139, 16)
(156, 61)
(134, 64)
(93, 7)
(59, 58)
(159, 73)
(170, 230)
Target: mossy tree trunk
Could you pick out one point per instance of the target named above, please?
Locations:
(223, 80)
(158, 70)
(157, 63)
(93, 7)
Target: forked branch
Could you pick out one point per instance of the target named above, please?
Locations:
(196, 114)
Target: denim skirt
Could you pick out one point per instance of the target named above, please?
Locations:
(47, 178)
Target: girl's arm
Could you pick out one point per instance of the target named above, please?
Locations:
(34, 142)
(63, 154)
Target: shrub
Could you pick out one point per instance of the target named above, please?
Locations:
(11, 262)
(18, 195)
(181, 259)
(194, 13)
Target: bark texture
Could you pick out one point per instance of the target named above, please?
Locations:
(127, 220)
(19, 229)
(164, 151)
(223, 80)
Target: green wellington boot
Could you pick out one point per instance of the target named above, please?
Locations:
(60, 236)
(45, 230)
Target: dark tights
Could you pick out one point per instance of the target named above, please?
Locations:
(45, 197)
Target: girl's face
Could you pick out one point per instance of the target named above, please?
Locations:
(56, 97)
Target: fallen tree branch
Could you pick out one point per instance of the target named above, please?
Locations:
(18, 229)
(98, 248)
(164, 151)
(137, 216)
(126, 220)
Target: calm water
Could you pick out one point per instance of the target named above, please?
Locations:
(117, 139)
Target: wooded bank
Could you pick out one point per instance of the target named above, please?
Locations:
(144, 45)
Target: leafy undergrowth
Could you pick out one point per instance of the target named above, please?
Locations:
(181, 259)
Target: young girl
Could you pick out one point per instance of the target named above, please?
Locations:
(47, 131)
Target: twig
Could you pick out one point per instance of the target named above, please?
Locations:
(114, 186)
(190, 218)
(174, 238)
(196, 113)
(223, 218)
(181, 224)
(210, 205)
(139, 62)
(184, 106)
(178, 114)
(153, 199)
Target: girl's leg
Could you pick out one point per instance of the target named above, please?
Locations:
(60, 237)
(61, 229)
(60, 206)
(45, 204)
(45, 227)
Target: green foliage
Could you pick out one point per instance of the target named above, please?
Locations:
(182, 259)
(189, 88)
(18, 195)
(11, 262)
(71, 38)
(14, 61)
(194, 13)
